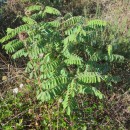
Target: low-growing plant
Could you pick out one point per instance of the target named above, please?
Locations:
(67, 55)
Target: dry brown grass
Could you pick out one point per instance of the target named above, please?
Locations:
(117, 12)
(11, 74)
